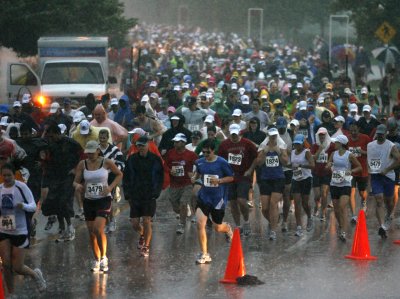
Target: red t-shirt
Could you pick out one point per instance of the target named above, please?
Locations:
(239, 155)
(182, 163)
(354, 148)
(322, 160)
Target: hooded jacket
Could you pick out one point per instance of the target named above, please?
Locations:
(166, 140)
(258, 136)
(124, 115)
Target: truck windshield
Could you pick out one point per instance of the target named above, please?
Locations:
(72, 73)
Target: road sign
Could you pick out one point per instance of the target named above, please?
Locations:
(385, 32)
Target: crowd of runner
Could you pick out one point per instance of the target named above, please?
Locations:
(210, 116)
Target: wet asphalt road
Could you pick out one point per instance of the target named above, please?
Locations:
(312, 266)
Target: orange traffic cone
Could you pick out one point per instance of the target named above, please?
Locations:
(1, 285)
(360, 249)
(235, 267)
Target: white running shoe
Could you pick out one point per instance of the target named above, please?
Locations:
(95, 266)
(180, 229)
(41, 283)
(104, 264)
(203, 258)
(112, 227)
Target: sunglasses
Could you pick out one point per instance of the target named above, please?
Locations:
(206, 152)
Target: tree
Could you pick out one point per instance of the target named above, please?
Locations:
(22, 22)
(368, 15)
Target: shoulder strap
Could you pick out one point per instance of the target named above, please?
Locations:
(102, 162)
(86, 165)
(22, 193)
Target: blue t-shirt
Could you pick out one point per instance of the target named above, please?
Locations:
(216, 196)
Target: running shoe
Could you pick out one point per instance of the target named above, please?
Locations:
(104, 264)
(353, 220)
(299, 231)
(112, 226)
(33, 227)
(272, 235)
(388, 222)
(330, 206)
(95, 266)
(40, 282)
(61, 236)
(107, 229)
(229, 234)
(180, 229)
(141, 242)
(209, 224)
(284, 227)
(203, 258)
(70, 234)
(246, 228)
(310, 224)
(145, 251)
(342, 236)
(382, 232)
(323, 219)
(194, 219)
(250, 204)
(291, 209)
(364, 205)
(50, 221)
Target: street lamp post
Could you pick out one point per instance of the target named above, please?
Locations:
(347, 38)
(250, 13)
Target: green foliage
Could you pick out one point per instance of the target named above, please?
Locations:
(22, 22)
(368, 15)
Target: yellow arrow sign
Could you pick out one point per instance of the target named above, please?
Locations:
(385, 32)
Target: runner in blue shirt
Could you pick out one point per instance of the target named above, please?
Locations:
(215, 173)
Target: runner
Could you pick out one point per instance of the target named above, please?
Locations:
(358, 147)
(321, 175)
(94, 172)
(383, 157)
(113, 153)
(215, 173)
(302, 164)
(343, 164)
(240, 154)
(16, 201)
(180, 161)
(143, 181)
(272, 179)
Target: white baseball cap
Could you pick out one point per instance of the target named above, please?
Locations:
(26, 98)
(366, 108)
(353, 107)
(234, 86)
(234, 129)
(340, 118)
(153, 84)
(17, 104)
(180, 137)
(54, 107)
(245, 99)
(273, 131)
(84, 127)
(237, 112)
(364, 90)
(209, 119)
(114, 101)
(303, 105)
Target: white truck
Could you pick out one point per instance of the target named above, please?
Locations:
(68, 67)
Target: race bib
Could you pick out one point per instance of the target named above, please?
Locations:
(322, 158)
(178, 170)
(234, 159)
(94, 189)
(297, 174)
(7, 222)
(192, 127)
(375, 164)
(303, 132)
(356, 151)
(207, 180)
(272, 161)
(338, 176)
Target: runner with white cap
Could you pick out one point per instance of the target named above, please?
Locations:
(383, 157)
(180, 161)
(272, 157)
(321, 151)
(237, 119)
(343, 164)
(240, 154)
(302, 164)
